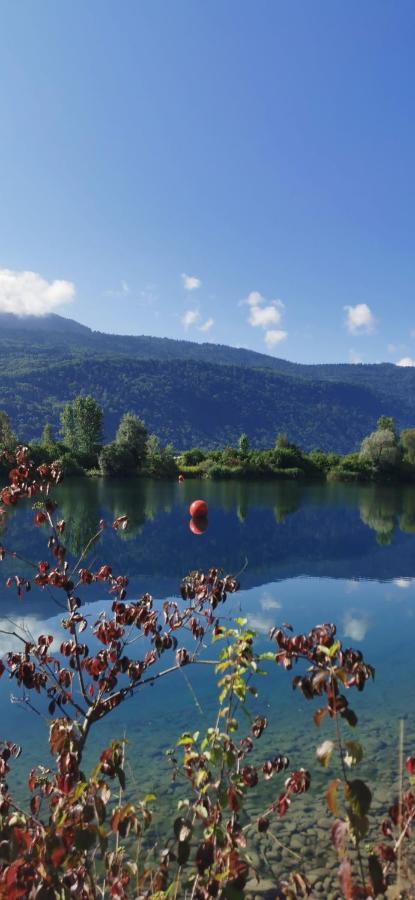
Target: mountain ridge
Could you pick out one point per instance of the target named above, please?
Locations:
(193, 393)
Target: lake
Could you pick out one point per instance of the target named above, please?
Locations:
(309, 554)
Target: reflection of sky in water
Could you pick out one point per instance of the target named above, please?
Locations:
(314, 555)
(376, 617)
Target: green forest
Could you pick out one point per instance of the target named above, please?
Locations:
(192, 394)
(384, 454)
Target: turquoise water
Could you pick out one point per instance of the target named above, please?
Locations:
(310, 554)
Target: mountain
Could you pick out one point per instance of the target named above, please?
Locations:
(192, 393)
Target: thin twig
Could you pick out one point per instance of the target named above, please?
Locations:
(400, 807)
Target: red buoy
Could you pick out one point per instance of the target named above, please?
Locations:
(198, 526)
(198, 509)
(181, 478)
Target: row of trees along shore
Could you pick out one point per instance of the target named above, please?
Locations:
(384, 455)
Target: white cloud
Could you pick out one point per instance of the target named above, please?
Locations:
(263, 313)
(191, 317)
(253, 299)
(190, 282)
(28, 294)
(359, 319)
(263, 316)
(275, 336)
(406, 362)
(355, 358)
(207, 325)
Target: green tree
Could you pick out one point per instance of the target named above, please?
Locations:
(281, 440)
(88, 424)
(7, 438)
(160, 460)
(132, 436)
(381, 449)
(47, 440)
(116, 459)
(243, 444)
(386, 423)
(408, 444)
(68, 426)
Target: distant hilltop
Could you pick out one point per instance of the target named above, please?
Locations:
(191, 393)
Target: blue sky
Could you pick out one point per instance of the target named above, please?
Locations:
(232, 171)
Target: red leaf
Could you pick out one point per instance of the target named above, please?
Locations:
(331, 796)
(339, 832)
(319, 715)
(121, 522)
(346, 879)
(34, 804)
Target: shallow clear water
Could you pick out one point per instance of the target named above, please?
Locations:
(313, 554)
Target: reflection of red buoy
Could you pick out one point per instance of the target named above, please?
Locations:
(198, 526)
(198, 509)
(181, 478)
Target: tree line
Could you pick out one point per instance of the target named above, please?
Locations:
(384, 454)
(81, 447)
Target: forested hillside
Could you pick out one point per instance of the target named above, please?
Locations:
(192, 393)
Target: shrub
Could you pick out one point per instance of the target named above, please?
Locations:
(70, 464)
(192, 457)
(116, 459)
(218, 471)
(192, 471)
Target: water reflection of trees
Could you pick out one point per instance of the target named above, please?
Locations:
(379, 512)
(280, 527)
(84, 502)
(384, 509)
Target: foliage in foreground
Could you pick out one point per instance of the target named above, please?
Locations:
(80, 836)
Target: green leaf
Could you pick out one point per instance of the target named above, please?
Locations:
(185, 739)
(233, 893)
(359, 796)
(359, 827)
(354, 753)
(85, 838)
(241, 622)
(201, 811)
(376, 875)
(121, 776)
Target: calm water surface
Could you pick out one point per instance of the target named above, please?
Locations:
(313, 554)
